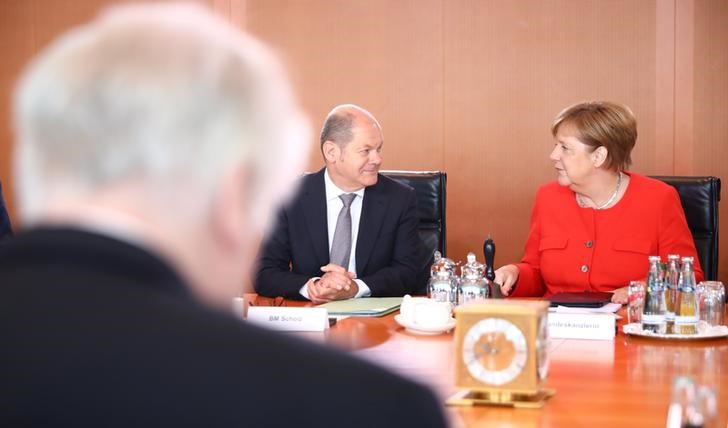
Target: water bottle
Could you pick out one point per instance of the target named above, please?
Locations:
(653, 311)
(672, 276)
(692, 406)
(687, 315)
(683, 412)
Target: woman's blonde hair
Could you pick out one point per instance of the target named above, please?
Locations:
(603, 123)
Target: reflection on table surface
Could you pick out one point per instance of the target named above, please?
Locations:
(625, 382)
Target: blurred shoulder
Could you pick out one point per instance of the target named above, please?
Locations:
(221, 345)
(326, 367)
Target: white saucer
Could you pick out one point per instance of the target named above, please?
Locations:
(424, 330)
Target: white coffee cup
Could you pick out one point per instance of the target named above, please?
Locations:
(425, 312)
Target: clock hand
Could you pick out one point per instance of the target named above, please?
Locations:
(489, 349)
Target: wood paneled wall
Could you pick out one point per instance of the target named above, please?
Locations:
(471, 86)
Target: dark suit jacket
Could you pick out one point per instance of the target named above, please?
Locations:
(389, 253)
(6, 229)
(97, 332)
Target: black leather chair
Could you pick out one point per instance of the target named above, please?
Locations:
(700, 197)
(430, 187)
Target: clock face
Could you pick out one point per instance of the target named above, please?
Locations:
(542, 348)
(494, 351)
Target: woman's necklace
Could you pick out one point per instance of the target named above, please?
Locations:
(583, 204)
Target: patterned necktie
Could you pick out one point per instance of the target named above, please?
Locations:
(341, 245)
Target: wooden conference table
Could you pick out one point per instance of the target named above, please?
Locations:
(620, 383)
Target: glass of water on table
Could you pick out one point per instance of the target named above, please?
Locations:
(712, 302)
(635, 301)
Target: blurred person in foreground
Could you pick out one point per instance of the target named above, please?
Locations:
(151, 144)
(382, 254)
(594, 227)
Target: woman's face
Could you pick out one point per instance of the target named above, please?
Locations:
(573, 160)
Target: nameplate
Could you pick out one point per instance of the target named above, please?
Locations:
(289, 318)
(581, 326)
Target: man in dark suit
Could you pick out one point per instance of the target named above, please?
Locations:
(144, 174)
(385, 254)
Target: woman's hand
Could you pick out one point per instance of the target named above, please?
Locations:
(620, 296)
(506, 276)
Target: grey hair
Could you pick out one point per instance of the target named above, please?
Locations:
(157, 93)
(339, 124)
(338, 128)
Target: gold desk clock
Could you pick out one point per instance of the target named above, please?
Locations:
(501, 353)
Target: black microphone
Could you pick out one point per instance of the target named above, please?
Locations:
(489, 253)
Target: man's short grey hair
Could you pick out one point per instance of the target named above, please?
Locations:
(339, 124)
(163, 93)
(338, 128)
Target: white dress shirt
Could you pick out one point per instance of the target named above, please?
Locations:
(333, 207)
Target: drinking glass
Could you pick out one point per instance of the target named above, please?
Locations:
(707, 406)
(635, 300)
(712, 302)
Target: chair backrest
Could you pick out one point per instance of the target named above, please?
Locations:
(699, 197)
(430, 187)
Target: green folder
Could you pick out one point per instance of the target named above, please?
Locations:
(363, 307)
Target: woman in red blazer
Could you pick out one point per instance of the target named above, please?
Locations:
(594, 227)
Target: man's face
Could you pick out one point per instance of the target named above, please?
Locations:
(356, 165)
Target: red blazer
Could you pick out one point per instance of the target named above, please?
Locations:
(570, 248)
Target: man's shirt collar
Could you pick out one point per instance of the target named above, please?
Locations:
(333, 191)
